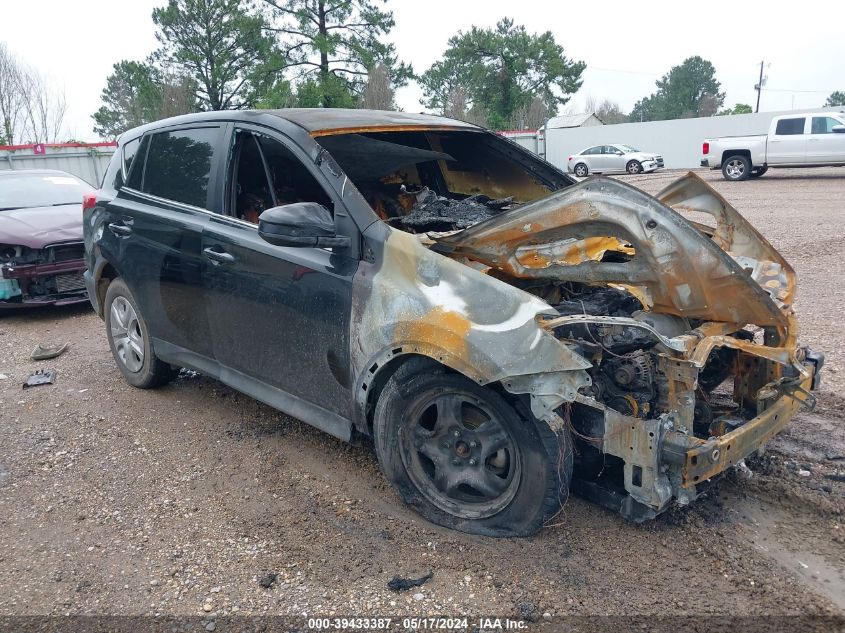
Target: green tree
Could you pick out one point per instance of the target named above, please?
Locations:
(739, 108)
(688, 90)
(503, 68)
(328, 92)
(446, 87)
(222, 45)
(836, 99)
(138, 93)
(279, 94)
(334, 44)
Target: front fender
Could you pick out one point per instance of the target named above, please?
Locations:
(413, 300)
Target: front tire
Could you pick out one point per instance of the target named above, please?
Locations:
(129, 340)
(581, 170)
(736, 168)
(756, 172)
(634, 167)
(466, 459)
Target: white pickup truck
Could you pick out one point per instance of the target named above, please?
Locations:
(816, 139)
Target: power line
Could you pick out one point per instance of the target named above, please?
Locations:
(823, 92)
(629, 72)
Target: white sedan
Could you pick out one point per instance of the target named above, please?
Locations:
(603, 159)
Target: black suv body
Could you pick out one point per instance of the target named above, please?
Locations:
(434, 286)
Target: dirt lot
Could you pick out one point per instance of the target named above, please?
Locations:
(120, 501)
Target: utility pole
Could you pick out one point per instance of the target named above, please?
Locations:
(759, 87)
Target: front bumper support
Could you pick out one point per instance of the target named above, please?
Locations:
(700, 460)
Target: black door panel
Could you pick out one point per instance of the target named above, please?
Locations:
(162, 264)
(280, 315)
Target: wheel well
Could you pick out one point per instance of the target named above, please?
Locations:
(736, 152)
(107, 275)
(407, 364)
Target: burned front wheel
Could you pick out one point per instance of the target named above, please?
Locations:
(468, 459)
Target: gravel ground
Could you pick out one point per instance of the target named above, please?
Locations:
(180, 500)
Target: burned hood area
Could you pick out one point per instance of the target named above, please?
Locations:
(658, 330)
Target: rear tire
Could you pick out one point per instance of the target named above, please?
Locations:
(736, 168)
(465, 458)
(129, 340)
(581, 170)
(634, 167)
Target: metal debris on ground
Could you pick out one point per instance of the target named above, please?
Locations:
(267, 579)
(438, 213)
(397, 583)
(46, 353)
(40, 377)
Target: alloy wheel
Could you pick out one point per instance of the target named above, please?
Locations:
(735, 168)
(126, 334)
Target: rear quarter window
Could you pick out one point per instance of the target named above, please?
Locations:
(118, 170)
(179, 164)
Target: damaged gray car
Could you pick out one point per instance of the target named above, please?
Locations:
(501, 332)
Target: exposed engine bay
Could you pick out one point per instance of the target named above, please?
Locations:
(52, 274)
(680, 308)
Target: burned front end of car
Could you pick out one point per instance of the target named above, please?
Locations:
(658, 330)
(684, 314)
(50, 275)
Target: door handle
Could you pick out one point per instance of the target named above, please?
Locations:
(218, 256)
(121, 230)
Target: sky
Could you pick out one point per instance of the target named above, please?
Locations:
(627, 46)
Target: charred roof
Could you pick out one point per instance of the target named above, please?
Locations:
(319, 121)
(323, 121)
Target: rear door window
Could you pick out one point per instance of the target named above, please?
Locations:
(179, 165)
(787, 127)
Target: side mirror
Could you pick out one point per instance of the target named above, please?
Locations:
(839, 129)
(618, 153)
(300, 224)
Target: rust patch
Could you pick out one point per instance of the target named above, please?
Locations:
(438, 327)
(386, 128)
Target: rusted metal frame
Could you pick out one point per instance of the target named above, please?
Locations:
(638, 443)
(669, 343)
(783, 354)
(708, 458)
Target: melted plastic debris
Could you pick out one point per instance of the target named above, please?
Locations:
(437, 213)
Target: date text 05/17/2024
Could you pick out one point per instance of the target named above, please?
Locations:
(416, 624)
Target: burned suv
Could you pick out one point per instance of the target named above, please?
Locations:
(502, 333)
